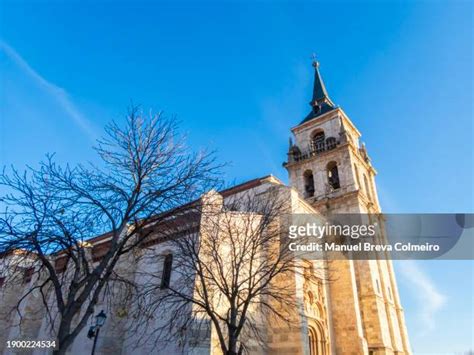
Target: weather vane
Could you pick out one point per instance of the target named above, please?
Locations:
(315, 62)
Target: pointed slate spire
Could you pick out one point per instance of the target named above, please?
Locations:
(320, 93)
(320, 102)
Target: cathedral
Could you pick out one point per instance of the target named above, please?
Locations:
(357, 312)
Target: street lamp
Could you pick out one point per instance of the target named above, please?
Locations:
(95, 329)
(100, 319)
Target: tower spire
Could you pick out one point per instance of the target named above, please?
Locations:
(320, 102)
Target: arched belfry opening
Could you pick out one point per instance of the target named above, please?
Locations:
(308, 183)
(317, 141)
(333, 175)
(331, 143)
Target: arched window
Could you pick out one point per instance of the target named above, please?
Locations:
(308, 183)
(318, 142)
(166, 274)
(367, 190)
(333, 175)
(330, 143)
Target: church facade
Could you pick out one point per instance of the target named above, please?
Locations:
(357, 312)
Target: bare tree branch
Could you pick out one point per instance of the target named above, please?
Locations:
(52, 212)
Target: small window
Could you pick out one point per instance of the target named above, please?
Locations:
(2, 281)
(333, 175)
(378, 285)
(166, 275)
(308, 183)
(316, 108)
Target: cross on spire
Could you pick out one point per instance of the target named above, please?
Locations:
(315, 61)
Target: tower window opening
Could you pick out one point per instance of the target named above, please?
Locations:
(308, 183)
(316, 108)
(318, 142)
(333, 175)
(166, 274)
(331, 143)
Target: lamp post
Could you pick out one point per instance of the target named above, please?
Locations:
(95, 329)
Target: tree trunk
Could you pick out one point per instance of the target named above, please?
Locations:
(62, 347)
(232, 348)
(64, 339)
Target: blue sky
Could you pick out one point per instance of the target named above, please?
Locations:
(238, 76)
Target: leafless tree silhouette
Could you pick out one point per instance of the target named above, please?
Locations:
(51, 212)
(232, 272)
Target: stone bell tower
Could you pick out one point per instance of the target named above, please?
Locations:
(332, 170)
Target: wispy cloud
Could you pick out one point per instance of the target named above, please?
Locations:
(430, 299)
(56, 92)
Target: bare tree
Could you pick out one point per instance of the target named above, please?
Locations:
(51, 212)
(232, 272)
